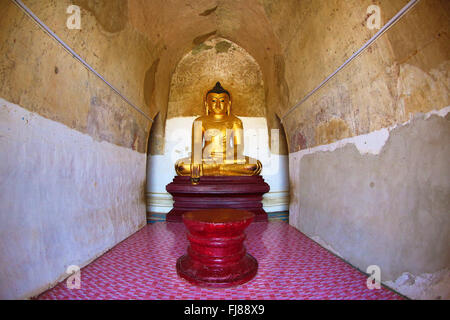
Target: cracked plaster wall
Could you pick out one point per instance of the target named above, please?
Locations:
(73, 153)
(368, 171)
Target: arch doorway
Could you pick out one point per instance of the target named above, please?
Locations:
(217, 59)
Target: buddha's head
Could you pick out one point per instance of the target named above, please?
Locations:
(218, 101)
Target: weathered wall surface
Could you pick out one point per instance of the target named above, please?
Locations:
(182, 26)
(64, 199)
(212, 61)
(386, 206)
(173, 28)
(403, 72)
(39, 75)
(72, 169)
(386, 201)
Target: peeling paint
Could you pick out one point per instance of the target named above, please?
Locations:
(222, 46)
(371, 143)
(200, 39)
(426, 286)
(38, 74)
(208, 12)
(199, 48)
(386, 205)
(332, 130)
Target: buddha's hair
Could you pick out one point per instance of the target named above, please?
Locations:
(218, 89)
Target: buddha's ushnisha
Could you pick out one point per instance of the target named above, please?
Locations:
(217, 142)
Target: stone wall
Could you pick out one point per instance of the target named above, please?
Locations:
(73, 153)
(64, 199)
(381, 199)
(211, 61)
(404, 72)
(384, 202)
(39, 75)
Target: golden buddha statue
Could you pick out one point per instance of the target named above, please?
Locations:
(217, 142)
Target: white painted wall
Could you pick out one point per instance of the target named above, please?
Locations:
(64, 199)
(160, 169)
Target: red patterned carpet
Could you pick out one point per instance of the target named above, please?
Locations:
(291, 266)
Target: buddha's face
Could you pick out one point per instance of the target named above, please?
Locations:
(218, 103)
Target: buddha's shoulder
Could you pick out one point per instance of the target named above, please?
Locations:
(235, 119)
(201, 118)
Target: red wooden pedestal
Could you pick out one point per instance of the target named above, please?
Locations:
(236, 192)
(216, 256)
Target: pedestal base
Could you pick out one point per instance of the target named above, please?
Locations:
(204, 276)
(216, 255)
(236, 192)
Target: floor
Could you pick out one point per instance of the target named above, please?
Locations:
(291, 266)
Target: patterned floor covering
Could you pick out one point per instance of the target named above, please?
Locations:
(291, 266)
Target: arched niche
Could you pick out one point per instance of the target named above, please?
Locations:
(213, 60)
(217, 60)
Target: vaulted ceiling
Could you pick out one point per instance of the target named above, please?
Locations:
(178, 26)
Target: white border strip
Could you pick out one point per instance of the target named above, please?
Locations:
(389, 24)
(30, 13)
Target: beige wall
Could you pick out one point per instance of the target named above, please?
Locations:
(402, 73)
(217, 60)
(387, 207)
(73, 153)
